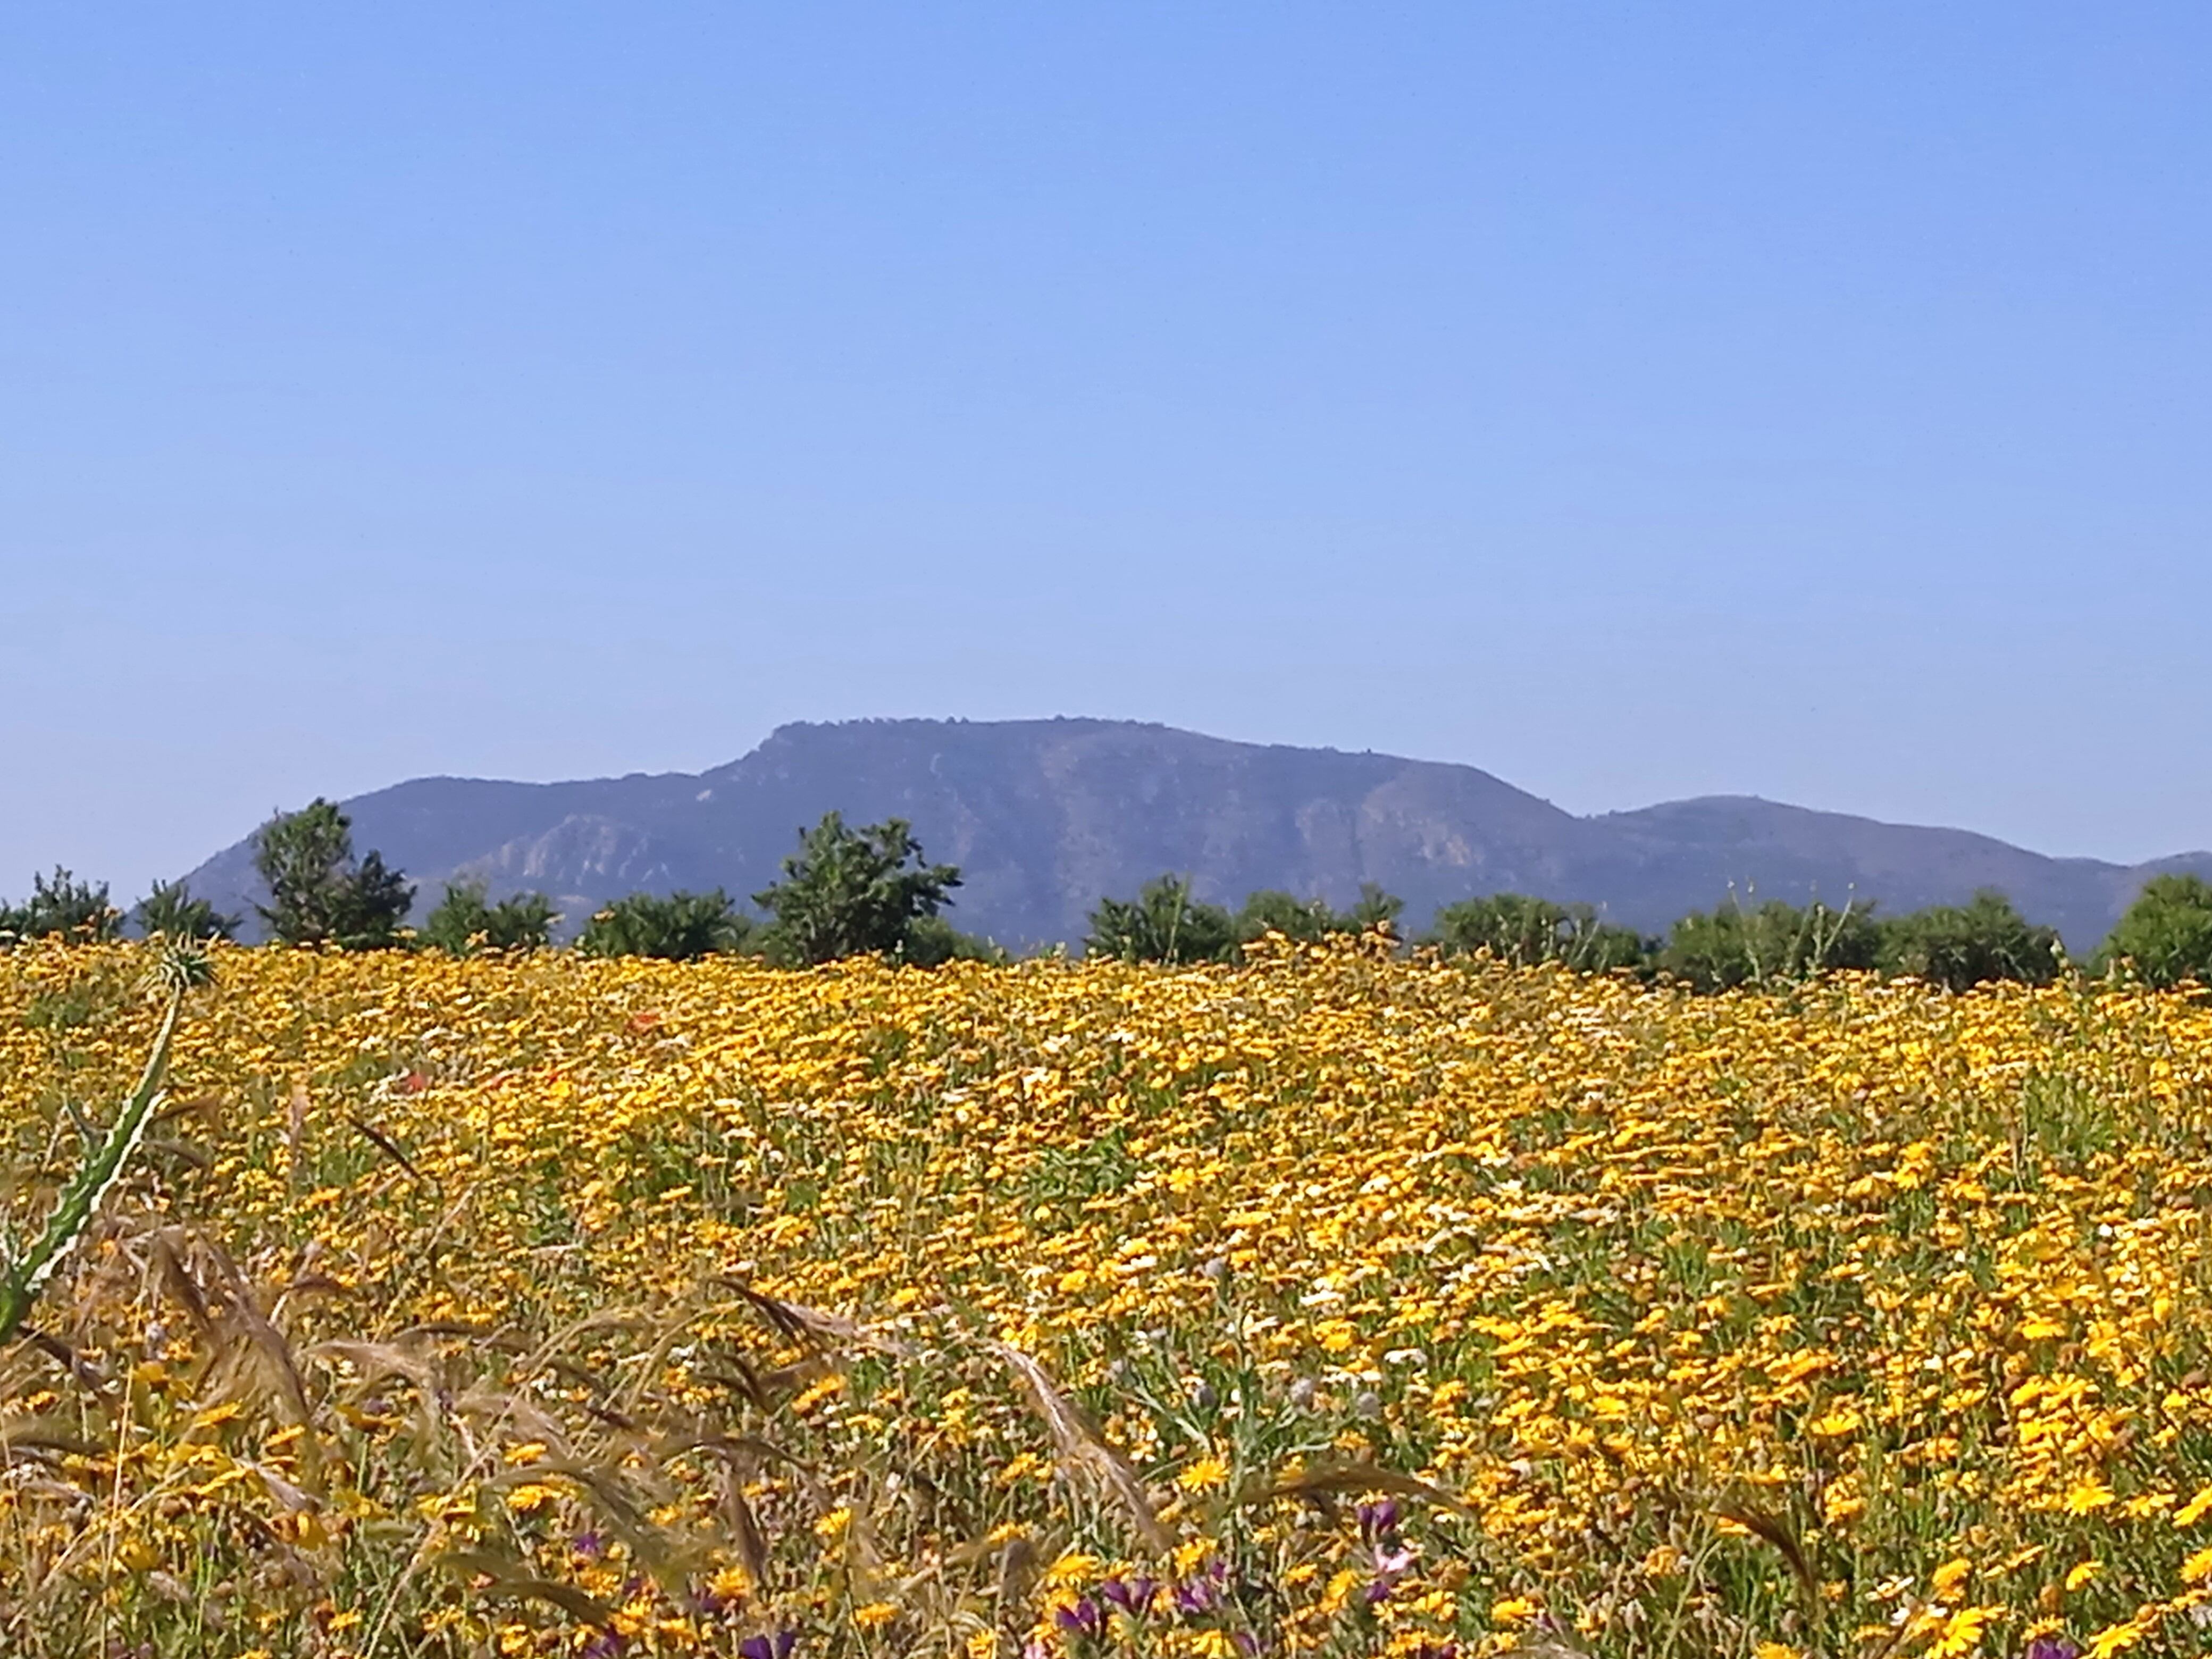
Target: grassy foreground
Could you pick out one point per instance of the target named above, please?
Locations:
(1329, 1304)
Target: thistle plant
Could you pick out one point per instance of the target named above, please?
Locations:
(182, 966)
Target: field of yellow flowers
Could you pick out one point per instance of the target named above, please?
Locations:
(1329, 1304)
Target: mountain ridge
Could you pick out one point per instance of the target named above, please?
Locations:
(1046, 815)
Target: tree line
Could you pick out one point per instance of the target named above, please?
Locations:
(845, 892)
(2164, 939)
(868, 891)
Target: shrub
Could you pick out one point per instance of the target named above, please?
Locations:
(464, 923)
(2166, 937)
(1777, 943)
(932, 941)
(61, 904)
(1516, 928)
(679, 927)
(1964, 945)
(1307, 920)
(170, 911)
(1164, 923)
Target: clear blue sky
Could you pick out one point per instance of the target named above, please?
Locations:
(1635, 401)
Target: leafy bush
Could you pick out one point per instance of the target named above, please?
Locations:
(61, 904)
(1164, 923)
(1523, 931)
(170, 911)
(2166, 937)
(1964, 945)
(853, 892)
(932, 941)
(1309, 921)
(464, 923)
(679, 927)
(1727, 946)
(318, 893)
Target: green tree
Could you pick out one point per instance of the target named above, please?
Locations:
(1309, 921)
(679, 927)
(1964, 945)
(1775, 944)
(170, 911)
(1162, 923)
(319, 894)
(1272, 911)
(851, 892)
(2166, 937)
(464, 922)
(1524, 931)
(932, 941)
(1373, 909)
(61, 904)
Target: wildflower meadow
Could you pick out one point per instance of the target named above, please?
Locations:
(1334, 1303)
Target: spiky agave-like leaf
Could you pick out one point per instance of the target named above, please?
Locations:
(183, 965)
(24, 1277)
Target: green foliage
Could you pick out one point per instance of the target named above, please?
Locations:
(1272, 911)
(1523, 931)
(464, 923)
(2166, 937)
(318, 893)
(61, 904)
(170, 911)
(1775, 943)
(1164, 923)
(853, 892)
(679, 927)
(1373, 909)
(1964, 945)
(932, 941)
(1309, 921)
(1953, 945)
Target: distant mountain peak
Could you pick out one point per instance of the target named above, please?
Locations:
(1045, 816)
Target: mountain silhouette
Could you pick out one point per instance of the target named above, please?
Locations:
(1044, 817)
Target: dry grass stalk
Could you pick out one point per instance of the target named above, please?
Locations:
(813, 1329)
(512, 1578)
(1082, 1444)
(1774, 1530)
(1355, 1479)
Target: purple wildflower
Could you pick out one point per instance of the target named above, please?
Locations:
(2055, 1646)
(1378, 1520)
(1133, 1596)
(1194, 1597)
(1204, 1592)
(1084, 1618)
(714, 1605)
(778, 1646)
(589, 1545)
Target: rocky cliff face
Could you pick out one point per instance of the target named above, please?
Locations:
(1043, 817)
